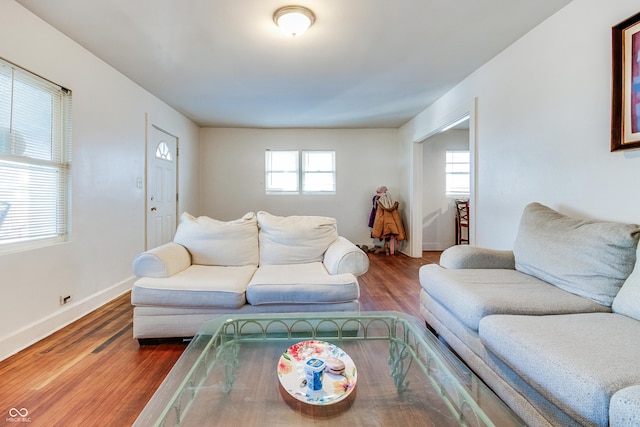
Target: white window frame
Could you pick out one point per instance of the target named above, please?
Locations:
(35, 160)
(276, 171)
(308, 172)
(303, 170)
(457, 165)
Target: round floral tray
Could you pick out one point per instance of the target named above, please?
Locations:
(334, 387)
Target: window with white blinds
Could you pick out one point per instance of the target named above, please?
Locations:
(35, 159)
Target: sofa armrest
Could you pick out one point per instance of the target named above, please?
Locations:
(465, 256)
(163, 261)
(342, 256)
(624, 408)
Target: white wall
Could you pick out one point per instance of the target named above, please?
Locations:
(438, 210)
(232, 173)
(542, 125)
(109, 125)
(541, 132)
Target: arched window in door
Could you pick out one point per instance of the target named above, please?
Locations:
(163, 152)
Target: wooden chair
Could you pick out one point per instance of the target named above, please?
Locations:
(462, 222)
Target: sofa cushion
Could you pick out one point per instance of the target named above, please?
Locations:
(214, 242)
(294, 239)
(627, 301)
(197, 286)
(588, 258)
(300, 284)
(577, 361)
(471, 294)
(623, 411)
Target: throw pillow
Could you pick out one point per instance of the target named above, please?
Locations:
(294, 239)
(587, 258)
(214, 242)
(627, 301)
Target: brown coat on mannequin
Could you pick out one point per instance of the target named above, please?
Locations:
(387, 223)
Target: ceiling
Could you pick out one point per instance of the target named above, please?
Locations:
(363, 64)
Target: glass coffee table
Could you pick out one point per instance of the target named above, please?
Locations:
(248, 370)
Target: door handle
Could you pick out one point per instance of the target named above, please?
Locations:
(154, 209)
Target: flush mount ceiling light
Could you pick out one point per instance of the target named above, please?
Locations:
(293, 20)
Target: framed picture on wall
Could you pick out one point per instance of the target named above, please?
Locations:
(625, 99)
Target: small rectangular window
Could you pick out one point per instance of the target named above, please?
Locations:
(458, 173)
(292, 171)
(281, 170)
(318, 172)
(35, 158)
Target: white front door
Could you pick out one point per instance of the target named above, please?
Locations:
(161, 187)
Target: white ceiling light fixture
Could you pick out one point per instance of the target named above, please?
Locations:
(293, 20)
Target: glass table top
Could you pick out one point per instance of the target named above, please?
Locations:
(229, 375)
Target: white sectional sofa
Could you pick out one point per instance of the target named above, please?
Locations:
(552, 326)
(257, 263)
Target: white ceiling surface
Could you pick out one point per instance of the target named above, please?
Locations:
(363, 64)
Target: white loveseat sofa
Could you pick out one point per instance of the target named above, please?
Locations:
(552, 326)
(258, 263)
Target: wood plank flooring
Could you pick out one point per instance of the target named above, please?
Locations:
(93, 373)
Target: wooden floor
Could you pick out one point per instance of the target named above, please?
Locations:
(93, 373)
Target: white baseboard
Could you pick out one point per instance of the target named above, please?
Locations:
(13, 343)
(437, 246)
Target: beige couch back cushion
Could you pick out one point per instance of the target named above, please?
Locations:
(294, 239)
(214, 242)
(587, 258)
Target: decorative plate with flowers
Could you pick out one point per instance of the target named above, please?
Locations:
(334, 387)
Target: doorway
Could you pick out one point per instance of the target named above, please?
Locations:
(446, 178)
(161, 191)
